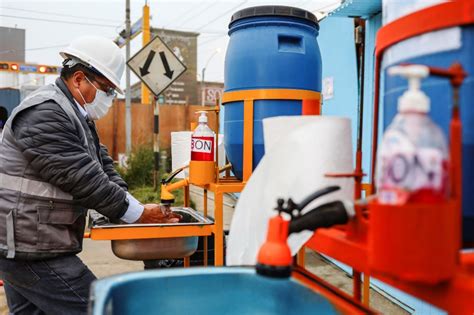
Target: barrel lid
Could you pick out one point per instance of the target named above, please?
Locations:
(274, 10)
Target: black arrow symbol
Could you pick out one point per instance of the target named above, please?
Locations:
(144, 70)
(168, 72)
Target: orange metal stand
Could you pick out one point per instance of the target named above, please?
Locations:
(224, 185)
(341, 300)
(133, 233)
(425, 238)
(444, 15)
(454, 296)
(311, 105)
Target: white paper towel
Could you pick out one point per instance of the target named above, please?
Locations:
(300, 151)
(181, 151)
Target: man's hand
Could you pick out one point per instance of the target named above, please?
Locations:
(154, 213)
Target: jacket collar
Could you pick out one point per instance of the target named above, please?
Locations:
(63, 87)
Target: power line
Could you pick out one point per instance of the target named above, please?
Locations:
(205, 34)
(190, 11)
(194, 15)
(210, 32)
(6, 51)
(58, 21)
(210, 41)
(222, 15)
(58, 14)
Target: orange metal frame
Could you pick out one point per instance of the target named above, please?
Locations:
(133, 233)
(311, 105)
(341, 300)
(224, 185)
(448, 14)
(350, 246)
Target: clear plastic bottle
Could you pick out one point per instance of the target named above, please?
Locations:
(412, 163)
(202, 140)
(202, 166)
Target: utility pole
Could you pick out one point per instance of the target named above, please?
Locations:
(156, 143)
(203, 93)
(218, 50)
(128, 105)
(146, 36)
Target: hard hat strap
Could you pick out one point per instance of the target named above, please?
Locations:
(72, 61)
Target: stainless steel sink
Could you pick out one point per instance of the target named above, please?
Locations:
(159, 248)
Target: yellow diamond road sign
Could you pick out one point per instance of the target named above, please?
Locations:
(156, 65)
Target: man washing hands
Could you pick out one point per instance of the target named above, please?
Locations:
(53, 168)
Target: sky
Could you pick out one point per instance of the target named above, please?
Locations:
(51, 24)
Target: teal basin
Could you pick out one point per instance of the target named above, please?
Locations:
(205, 291)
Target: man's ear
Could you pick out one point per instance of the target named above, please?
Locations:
(77, 79)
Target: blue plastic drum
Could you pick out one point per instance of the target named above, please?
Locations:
(270, 47)
(454, 45)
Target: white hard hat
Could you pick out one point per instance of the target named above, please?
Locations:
(101, 53)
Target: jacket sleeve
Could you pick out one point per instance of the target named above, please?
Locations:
(51, 143)
(109, 169)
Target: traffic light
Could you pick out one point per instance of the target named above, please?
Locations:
(48, 69)
(28, 68)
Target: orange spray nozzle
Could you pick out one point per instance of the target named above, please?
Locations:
(274, 258)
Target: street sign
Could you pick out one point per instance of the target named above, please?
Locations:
(135, 29)
(156, 65)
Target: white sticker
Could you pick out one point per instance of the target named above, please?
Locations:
(407, 167)
(328, 88)
(426, 44)
(201, 146)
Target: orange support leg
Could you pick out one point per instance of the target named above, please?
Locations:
(311, 107)
(218, 229)
(204, 240)
(366, 293)
(300, 257)
(248, 140)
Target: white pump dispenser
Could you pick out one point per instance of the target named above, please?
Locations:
(202, 116)
(414, 99)
(413, 160)
(202, 165)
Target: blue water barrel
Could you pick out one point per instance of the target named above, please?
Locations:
(453, 45)
(270, 47)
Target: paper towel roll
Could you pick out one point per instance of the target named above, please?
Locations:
(300, 151)
(181, 151)
(221, 149)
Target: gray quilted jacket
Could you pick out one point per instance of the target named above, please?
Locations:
(52, 169)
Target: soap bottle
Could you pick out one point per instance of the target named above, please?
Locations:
(412, 163)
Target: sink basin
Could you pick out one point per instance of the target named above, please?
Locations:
(158, 248)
